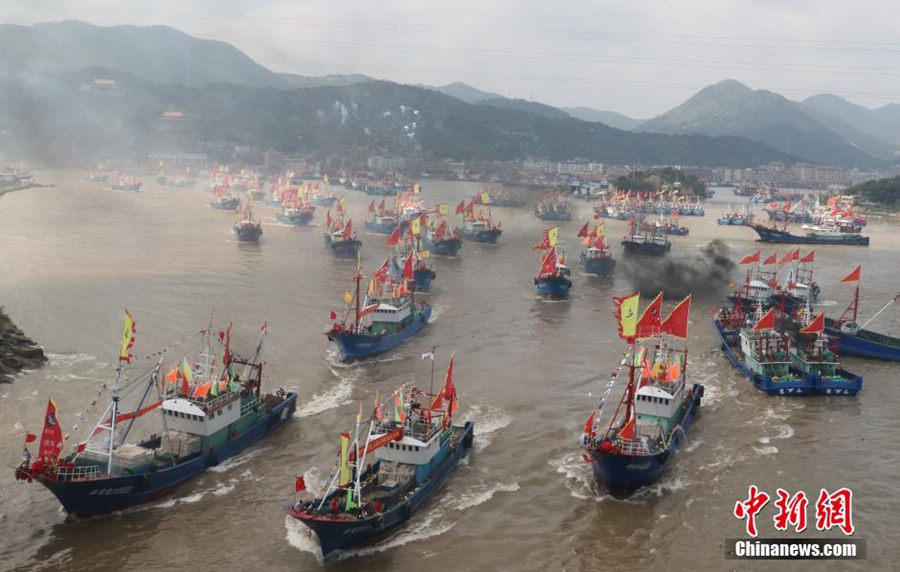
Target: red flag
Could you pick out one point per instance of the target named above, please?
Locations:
(333, 315)
(627, 430)
(676, 323)
(584, 230)
(381, 206)
(441, 230)
(30, 437)
(649, 323)
(771, 259)
(809, 258)
(300, 484)
(81, 447)
(750, 259)
(817, 326)
(589, 426)
(548, 262)
(790, 256)
(543, 244)
(395, 236)
(328, 220)
(767, 322)
(470, 208)
(51, 437)
(372, 206)
(348, 230)
(853, 276)
(408, 266)
(461, 207)
(404, 288)
(382, 273)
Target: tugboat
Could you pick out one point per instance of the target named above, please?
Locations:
(648, 243)
(818, 363)
(388, 471)
(815, 234)
(341, 239)
(384, 221)
(552, 281)
(127, 183)
(630, 443)
(596, 257)
(206, 418)
(246, 229)
(854, 339)
(223, 199)
(393, 317)
(762, 354)
(440, 242)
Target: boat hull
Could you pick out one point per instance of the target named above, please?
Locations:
(228, 205)
(248, 232)
(323, 201)
(127, 187)
(646, 248)
(96, 497)
(300, 219)
(336, 535)
(597, 266)
(555, 216)
(343, 248)
(482, 236)
(801, 385)
(444, 246)
(377, 228)
(881, 347)
(361, 346)
(623, 474)
(555, 288)
(767, 234)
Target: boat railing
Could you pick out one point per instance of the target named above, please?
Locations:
(78, 473)
(247, 406)
(634, 448)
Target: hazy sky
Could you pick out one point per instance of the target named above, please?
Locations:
(638, 57)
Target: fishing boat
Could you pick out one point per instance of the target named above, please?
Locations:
(161, 178)
(206, 417)
(323, 199)
(296, 212)
(664, 225)
(647, 242)
(246, 229)
(389, 470)
(814, 235)
(819, 363)
(483, 231)
(553, 207)
(96, 177)
(223, 199)
(181, 181)
(854, 339)
(798, 288)
(596, 258)
(630, 441)
(496, 197)
(441, 242)
(386, 318)
(552, 280)
(341, 239)
(384, 220)
(762, 354)
(407, 254)
(735, 217)
(127, 183)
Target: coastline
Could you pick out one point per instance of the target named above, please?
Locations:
(17, 351)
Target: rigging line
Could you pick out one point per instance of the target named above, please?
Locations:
(393, 26)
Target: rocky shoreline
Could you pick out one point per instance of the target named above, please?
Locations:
(17, 351)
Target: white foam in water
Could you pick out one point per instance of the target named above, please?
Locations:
(238, 460)
(480, 495)
(302, 538)
(427, 526)
(69, 359)
(488, 419)
(436, 312)
(223, 490)
(579, 477)
(335, 396)
(692, 445)
(784, 431)
(770, 450)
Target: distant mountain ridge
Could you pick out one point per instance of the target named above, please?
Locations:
(611, 118)
(882, 122)
(731, 108)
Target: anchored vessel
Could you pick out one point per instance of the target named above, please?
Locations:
(815, 234)
(388, 471)
(630, 443)
(206, 417)
(854, 339)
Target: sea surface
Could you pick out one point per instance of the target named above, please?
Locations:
(74, 256)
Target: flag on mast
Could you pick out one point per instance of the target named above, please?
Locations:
(626, 315)
(128, 332)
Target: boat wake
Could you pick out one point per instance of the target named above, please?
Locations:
(479, 494)
(488, 419)
(332, 397)
(578, 474)
(66, 360)
(238, 460)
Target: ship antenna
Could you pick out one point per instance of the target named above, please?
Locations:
(431, 387)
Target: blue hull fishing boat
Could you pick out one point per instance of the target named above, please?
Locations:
(819, 363)
(854, 339)
(648, 243)
(762, 356)
(248, 230)
(414, 453)
(482, 235)
(553, 215)
(442, 246)
(770, 234)
(597, 264)
(422, 275)
(384, 225)
(225, 203)
(296, 215)
(105, 476)
(632, 446)
(553, 287)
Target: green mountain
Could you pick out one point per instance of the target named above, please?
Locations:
(155, 53)
(464, 92)
(292, 80)
(731, 108)
(62, 120)
(528, 106)
(883, 122)
(610, 118)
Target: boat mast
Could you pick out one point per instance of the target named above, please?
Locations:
(356, 298)
(114, 410)
(878, 313)
(629, 404)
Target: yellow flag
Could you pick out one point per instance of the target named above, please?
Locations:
(345, 467)
(342, 204)
(444, 209)
(415, 227)
(598, 230)
(553, 235)
(325, 178)
(627, 314)
(127, 338)
(348, 297)
(186, 371)
(424, 253)
(485, 198)
(416, 189)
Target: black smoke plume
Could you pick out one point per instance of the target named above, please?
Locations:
(706, 274)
